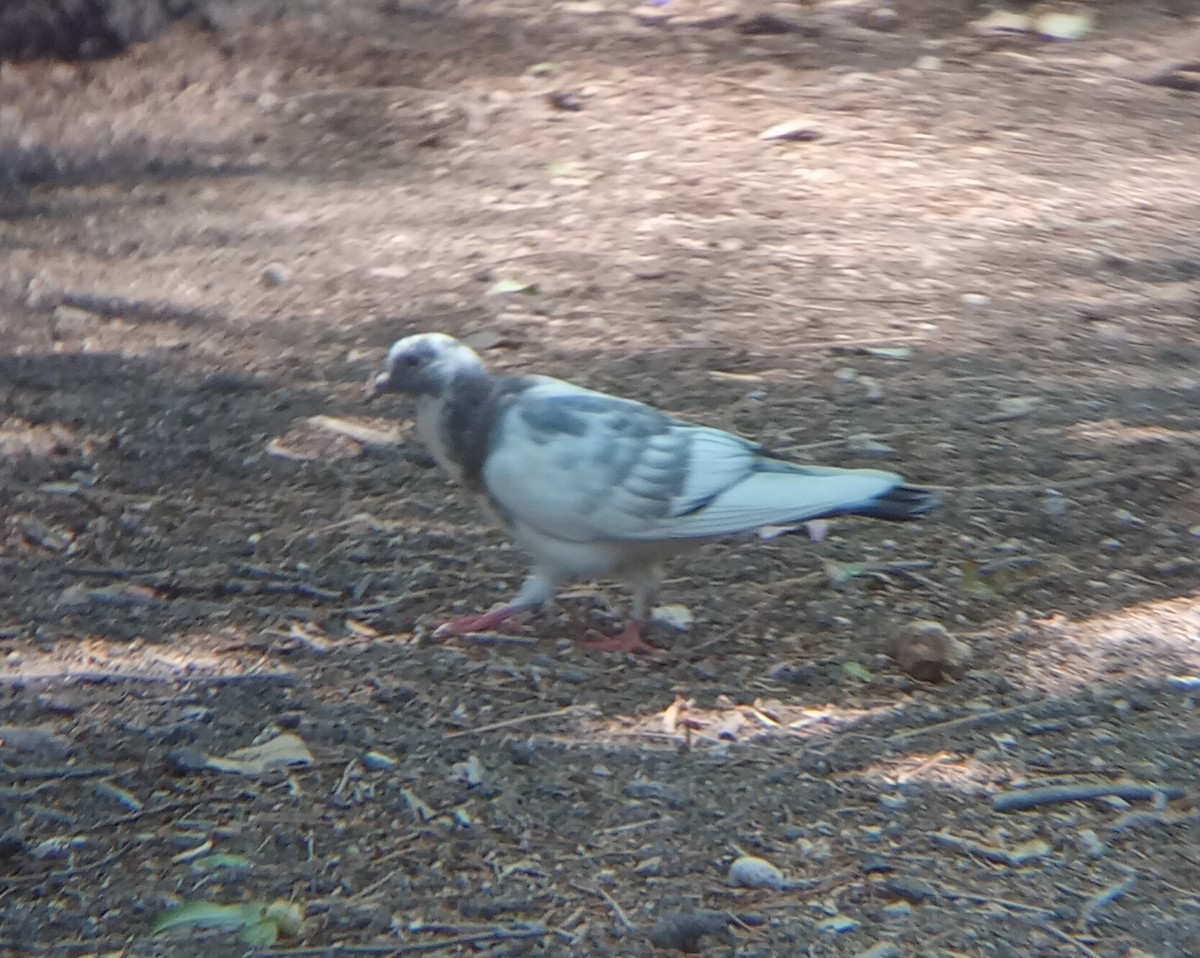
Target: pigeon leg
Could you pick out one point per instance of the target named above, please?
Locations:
(467, 624)
(646, 581)
(629, 640)
(538, 589)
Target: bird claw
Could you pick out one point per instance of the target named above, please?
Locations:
(630, 640)
(467, 624)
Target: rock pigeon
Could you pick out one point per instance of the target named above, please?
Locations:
(591, 485)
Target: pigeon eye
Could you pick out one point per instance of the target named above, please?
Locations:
(412, 361)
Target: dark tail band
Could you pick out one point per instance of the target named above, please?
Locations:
(901, 503)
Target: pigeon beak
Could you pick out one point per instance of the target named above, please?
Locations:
(375, 386)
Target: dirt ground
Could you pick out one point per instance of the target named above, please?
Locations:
(978, 263)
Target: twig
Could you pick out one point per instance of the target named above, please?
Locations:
(703, 646)
(55, 772)
(521, 719)
(1082, 792)
(1103, 898)
(1069, 939)
(633, 826)
(115, 678)
(612, 903)
(962, 720)
(951, 892)
(418, 947)
(998, 856)
(496, 638)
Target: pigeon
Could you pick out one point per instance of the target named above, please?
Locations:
(591, 485)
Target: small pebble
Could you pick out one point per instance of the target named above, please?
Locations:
(378, 762)
(1055, 505)
(186, 759)
(677, 617)
(1110, 544)
(1089, 843)
(876, 865)
(275, 275)
(469, 772)
(649, 867)
(1125, 517)
(975, 299)
(892, 803)
(897, 910)
(909, 889)
(838, 923)
(751, 872)
(883, 949)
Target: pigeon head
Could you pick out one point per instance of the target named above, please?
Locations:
(424, 365)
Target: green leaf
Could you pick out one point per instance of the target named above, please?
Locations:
(287, 916)
(201, 914)
(840, 573)
(972, 581)
(261, 935)
(260, 923)
(856, 671)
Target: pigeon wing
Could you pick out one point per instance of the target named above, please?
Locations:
(581, 466)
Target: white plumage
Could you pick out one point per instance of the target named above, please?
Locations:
(591, 485)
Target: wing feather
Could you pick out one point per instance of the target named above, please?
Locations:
(580, 466)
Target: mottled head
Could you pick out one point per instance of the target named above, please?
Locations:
(424, 365)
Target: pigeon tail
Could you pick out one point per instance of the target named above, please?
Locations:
(900, 504)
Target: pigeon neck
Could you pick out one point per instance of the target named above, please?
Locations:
(468, 410)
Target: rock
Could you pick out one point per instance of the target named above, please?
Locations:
(838, 923)
(275, 275)
(928, 652)
(468, 772)
(378, 762)
(751, 872)
(909, 889)
(683, 930)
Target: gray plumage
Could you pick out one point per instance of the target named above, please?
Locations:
(592, 485)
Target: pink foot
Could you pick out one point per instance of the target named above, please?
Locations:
(628, 641)
(477, 623)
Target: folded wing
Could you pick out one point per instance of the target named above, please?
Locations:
(580, 466)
